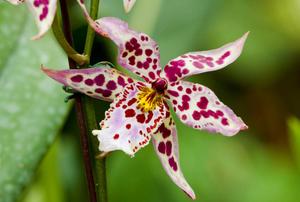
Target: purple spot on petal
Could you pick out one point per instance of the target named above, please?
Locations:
(130, 80)
(89, 82)
(161, 147)
(148, 52)
(106, 93)
(138, 52)
(225, 122)
(111, 85)
(44, 13)
(173, 70)
(77, 78)
(149, 60)
(99, 80)
(168, 148)
(146, 65)
(151, 75)
(202, 104)
(36, 3)
(133, 41)
(198, 64)
(173, 164)
(219, 113)
(164, 131)
(204, 113)
(131, 60)
(121, 81)
(98, 90)
(185, 71)
(196, 115)
(173, 93)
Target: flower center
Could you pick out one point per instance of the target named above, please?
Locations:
(150, 98)
(160, 85)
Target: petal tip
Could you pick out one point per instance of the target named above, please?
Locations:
(246, 34)
(244, 127)
(36, 37)
(241, 41)
(192, 196)
(240, 126)
(47, 71)
(128, 4)
(54, 74)
(190, 193)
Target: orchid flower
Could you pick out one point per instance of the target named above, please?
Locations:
(140, 109)
(44, 11)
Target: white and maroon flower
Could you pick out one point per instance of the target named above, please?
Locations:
(139, 109)
(43, 12)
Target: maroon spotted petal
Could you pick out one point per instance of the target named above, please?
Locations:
(100, 82)
(166, 147)
(137, 51)
(198, 107)
(203, 61)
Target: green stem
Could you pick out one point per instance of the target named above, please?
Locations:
(80, 109)
(84, 105)
(90, 32)
(99, 164)
(60, 37)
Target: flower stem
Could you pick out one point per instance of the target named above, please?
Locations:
(86, 114)
(60, 37)
(99, 164)
(90, 32)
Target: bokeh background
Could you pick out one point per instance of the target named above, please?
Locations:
(261, 164)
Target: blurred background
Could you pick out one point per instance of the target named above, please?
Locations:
(261, 164)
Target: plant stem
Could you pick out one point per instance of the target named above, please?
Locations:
(80, 110)
(99, 164)
(90, 32)
(100, 169)
(85, 109)
(60, 37)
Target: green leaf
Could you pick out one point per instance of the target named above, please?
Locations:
(32, 107)
(11, 29)
(45, 187)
